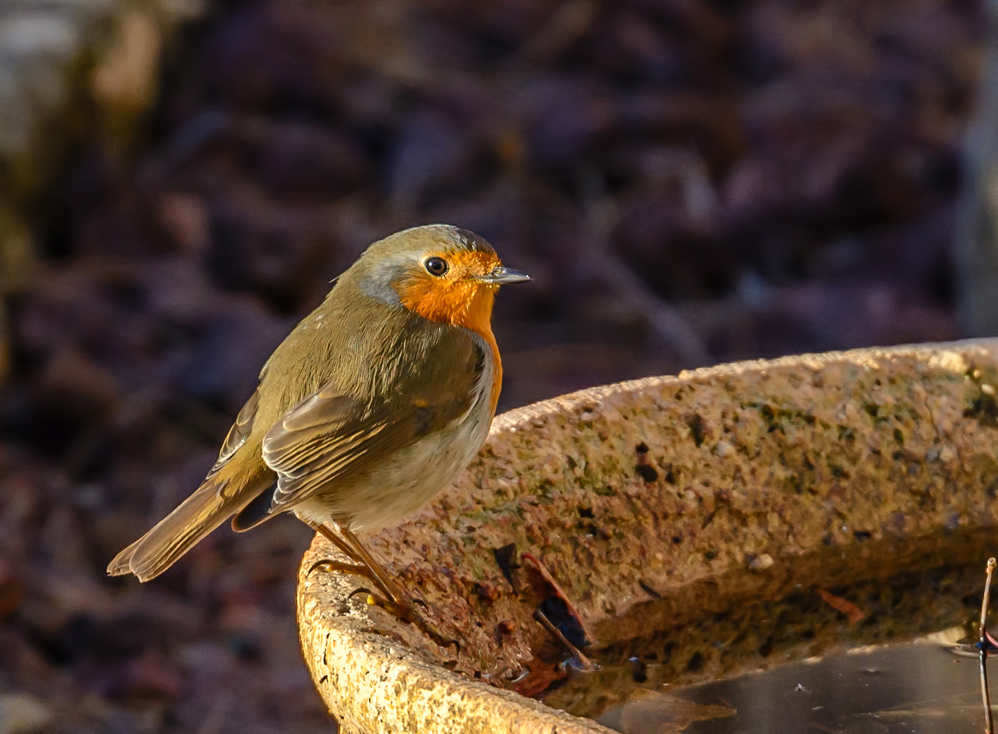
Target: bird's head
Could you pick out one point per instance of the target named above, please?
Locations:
(443, 273)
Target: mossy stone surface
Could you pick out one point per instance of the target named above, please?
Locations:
(641, 492)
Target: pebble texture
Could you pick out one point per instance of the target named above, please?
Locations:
(642, 491)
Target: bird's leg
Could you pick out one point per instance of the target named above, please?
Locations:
(403, 604)
(336, 540)
(360, 568)
(366, 565)
(382, 577)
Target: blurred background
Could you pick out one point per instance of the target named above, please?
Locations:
(688, 182)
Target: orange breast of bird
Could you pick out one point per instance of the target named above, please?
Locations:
(459, 302)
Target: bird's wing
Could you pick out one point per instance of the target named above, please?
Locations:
(238, 433)
(329, 435)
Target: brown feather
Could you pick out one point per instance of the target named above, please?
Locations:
(238, 433)
(330, 436)
(182, 529)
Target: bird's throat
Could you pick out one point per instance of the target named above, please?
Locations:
(467, 304)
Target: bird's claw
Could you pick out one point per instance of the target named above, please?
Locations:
(405, 611)
(330, 565)
(393, 600)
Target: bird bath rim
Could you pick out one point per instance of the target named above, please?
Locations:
(374, 682)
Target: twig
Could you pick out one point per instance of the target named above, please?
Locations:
(989, 726)
(982, 628)
(559, 593)
(984, 642)
(585, 664)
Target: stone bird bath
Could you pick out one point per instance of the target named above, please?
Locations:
(645, 508)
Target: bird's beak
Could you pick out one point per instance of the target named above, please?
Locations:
(502, 276)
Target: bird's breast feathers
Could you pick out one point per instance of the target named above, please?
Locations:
(406, 479)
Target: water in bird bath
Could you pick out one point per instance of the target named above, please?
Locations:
(793, 648)
(924, 686)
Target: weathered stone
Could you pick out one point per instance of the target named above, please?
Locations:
(883, 456)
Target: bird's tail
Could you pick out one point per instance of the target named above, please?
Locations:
(182, 529)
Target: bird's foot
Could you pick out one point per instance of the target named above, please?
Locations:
(404, 607)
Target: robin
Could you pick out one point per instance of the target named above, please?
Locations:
(368, 409)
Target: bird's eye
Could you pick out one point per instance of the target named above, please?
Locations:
(435, 266)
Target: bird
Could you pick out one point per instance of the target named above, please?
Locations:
(368, 409)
